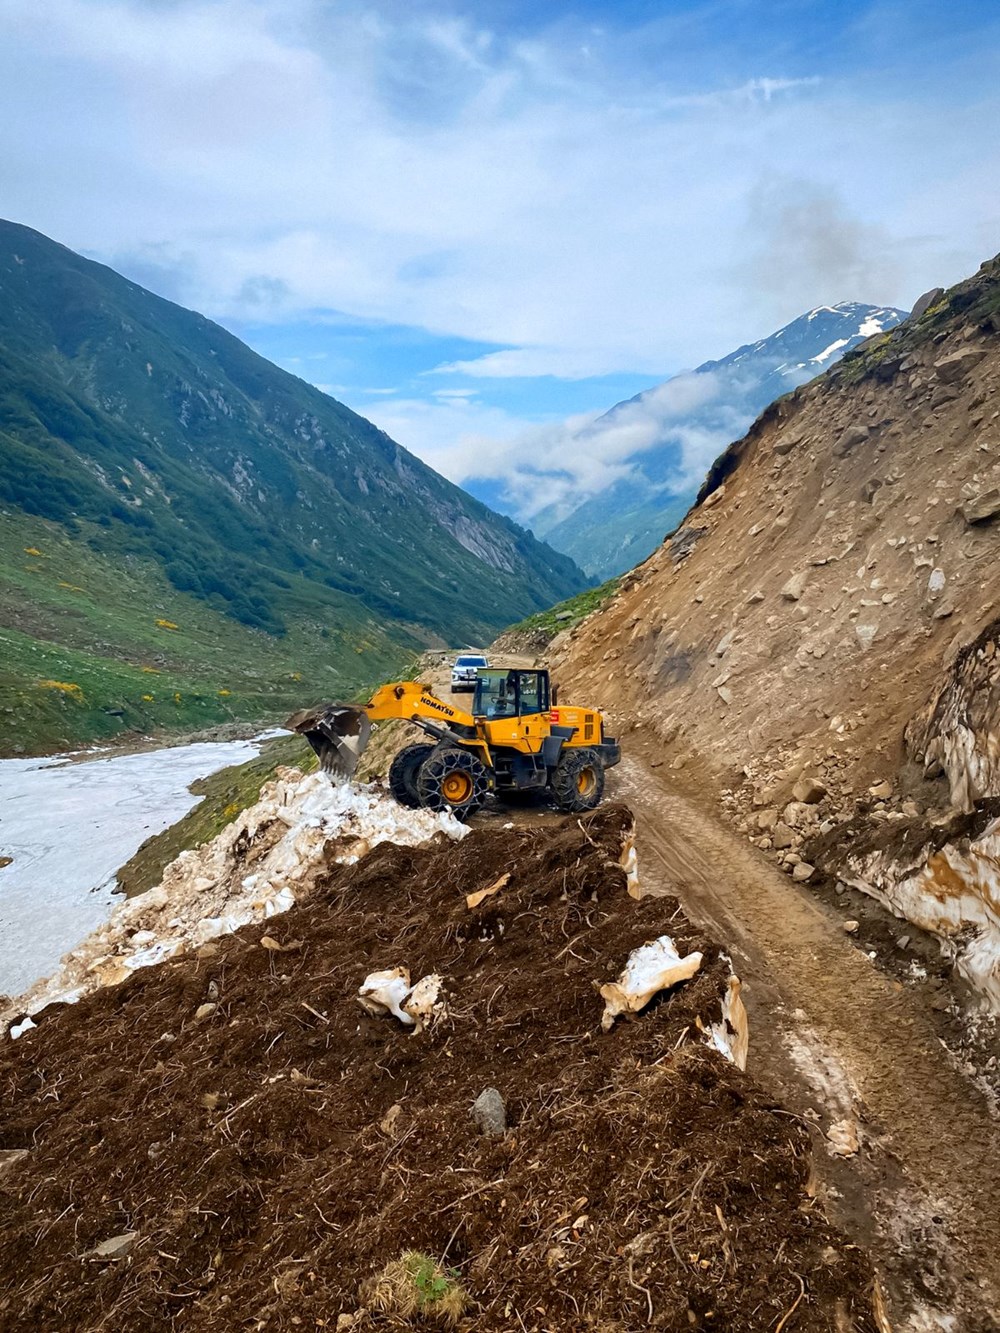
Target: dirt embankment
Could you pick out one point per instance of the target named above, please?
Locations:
(229, 1141)
(816, 644)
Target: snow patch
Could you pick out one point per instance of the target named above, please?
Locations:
(829, 351)
(257, 867)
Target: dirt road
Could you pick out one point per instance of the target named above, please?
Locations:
(840, 1041)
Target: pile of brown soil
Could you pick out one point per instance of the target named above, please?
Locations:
(269, 1155)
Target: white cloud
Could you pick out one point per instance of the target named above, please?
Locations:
(571, 205)
(557, 465)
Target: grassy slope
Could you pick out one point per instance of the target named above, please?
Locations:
(165, 472)
(536, 630)
(87, 624)
(174, 441)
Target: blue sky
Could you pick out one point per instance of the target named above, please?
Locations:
(481, 224)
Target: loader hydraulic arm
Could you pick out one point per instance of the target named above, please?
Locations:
(339, 732)
(413, 702)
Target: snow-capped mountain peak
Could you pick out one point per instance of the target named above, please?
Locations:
(683, 430)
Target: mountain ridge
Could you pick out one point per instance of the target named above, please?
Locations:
(145, 432)
(686, 418)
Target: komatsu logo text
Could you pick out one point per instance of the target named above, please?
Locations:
(438, 707)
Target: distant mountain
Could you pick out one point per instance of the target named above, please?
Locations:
(687, 420)
(141, 431)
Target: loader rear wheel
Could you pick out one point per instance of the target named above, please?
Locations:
(452, 779)
(403, 774)
(578, 780)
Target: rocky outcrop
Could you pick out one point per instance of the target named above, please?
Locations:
(947, 883)
(835, 623)
(959, 732)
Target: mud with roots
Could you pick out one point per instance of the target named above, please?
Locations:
(267, 1149)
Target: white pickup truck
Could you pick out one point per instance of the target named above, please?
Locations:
(467, 667)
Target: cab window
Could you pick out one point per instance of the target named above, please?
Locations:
(510, 693)
(530, 702)
(496, 694)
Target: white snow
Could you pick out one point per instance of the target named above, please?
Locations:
(68, 827)
(829, 351)
(870, 327)
(653, 967)
(298, 828)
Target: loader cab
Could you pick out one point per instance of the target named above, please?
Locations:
(516, 693)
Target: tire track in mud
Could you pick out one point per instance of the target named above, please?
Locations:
(831, 1032)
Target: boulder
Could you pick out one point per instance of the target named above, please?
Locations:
(797, 813)
(925, 302)
(957, 365)
(795, 586)
(851, 438)
(982, 507)
(116, 1247)
(808, 790)
(782, 836)
(725, 643)
(490, 1113)
(803, 871)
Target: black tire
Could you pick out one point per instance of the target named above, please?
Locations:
(403, 774)
(451, 778)
(578, 780)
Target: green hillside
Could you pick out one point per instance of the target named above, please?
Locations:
(165, 472)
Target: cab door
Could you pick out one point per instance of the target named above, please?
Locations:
(533, 705)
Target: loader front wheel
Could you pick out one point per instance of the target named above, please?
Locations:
(452, 779)
(403, 774)
(578, 780)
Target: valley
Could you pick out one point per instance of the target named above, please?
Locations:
(172, 505)
(802, 679)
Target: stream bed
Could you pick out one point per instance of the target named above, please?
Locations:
(68, 823)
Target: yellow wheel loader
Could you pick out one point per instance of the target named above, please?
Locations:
(514, 740)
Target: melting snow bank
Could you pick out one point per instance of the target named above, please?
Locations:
(68, 827)
(256, 868)
(954, 892)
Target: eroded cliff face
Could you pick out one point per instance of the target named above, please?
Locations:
(817, 642)
(959, 730)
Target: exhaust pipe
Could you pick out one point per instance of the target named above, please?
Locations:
(338, 733)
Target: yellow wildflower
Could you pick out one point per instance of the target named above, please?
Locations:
(64, 687)
(166, 624)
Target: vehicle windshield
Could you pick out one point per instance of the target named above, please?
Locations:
(470, 661)
(496, 694)
(511, 693)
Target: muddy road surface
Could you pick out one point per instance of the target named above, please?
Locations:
(851, 1051)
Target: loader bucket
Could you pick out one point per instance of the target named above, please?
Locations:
(337, 732)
